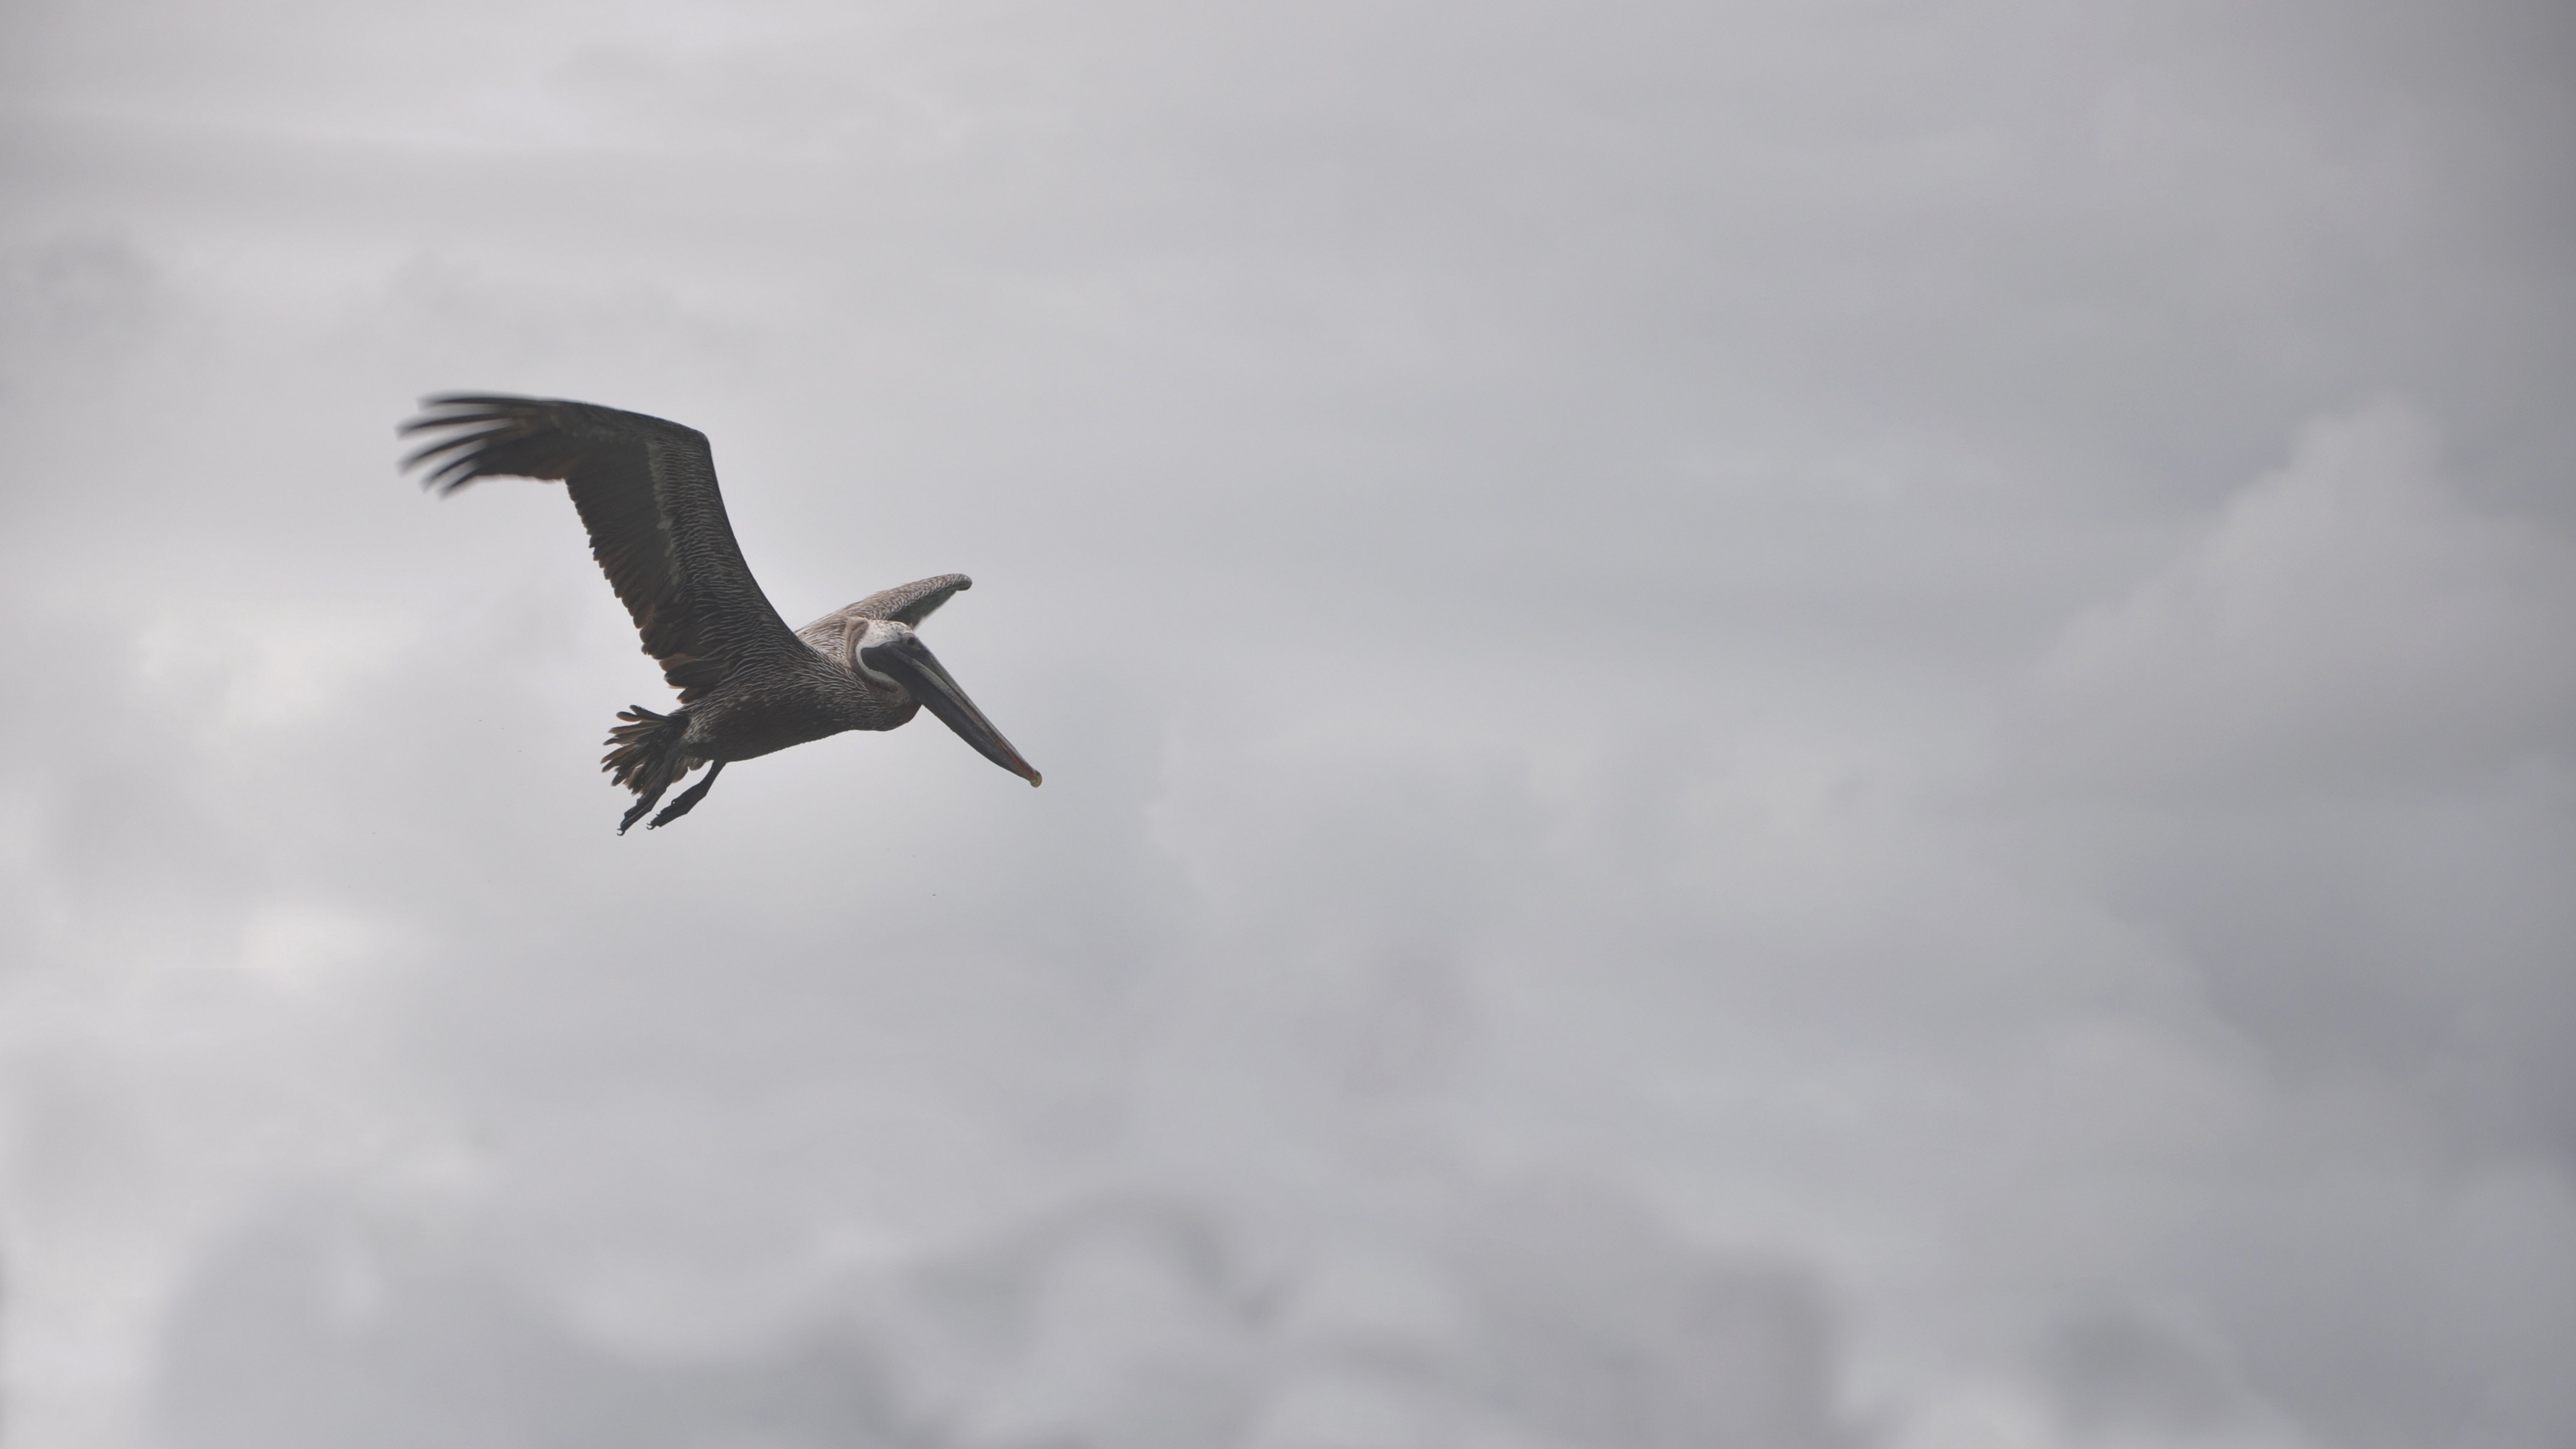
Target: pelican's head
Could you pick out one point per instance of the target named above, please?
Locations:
(890, 656)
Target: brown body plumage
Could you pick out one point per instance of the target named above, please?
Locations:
(749, 686)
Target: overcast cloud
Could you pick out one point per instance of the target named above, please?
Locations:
(1766, 724)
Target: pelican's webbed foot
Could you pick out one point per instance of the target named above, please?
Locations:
(642, 804)
(688, 800)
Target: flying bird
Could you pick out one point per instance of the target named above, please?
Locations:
(749, 686)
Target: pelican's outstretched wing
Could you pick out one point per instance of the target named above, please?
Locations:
(910, 603)
(646, 490)
(837, 633)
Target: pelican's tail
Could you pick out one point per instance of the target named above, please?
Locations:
(645, 755)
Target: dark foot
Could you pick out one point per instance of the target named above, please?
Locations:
(687, 802)
(638, 812)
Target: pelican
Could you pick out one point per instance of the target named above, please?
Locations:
(646, 490)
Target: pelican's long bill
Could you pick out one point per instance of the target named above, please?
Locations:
(910, 663)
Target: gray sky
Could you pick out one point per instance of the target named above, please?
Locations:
(1765, 725)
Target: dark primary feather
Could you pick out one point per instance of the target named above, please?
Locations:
(646, 490)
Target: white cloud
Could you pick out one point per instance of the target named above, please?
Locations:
(2351, 622)
(259, 675)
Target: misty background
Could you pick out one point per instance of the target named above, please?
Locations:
(1766, 724)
